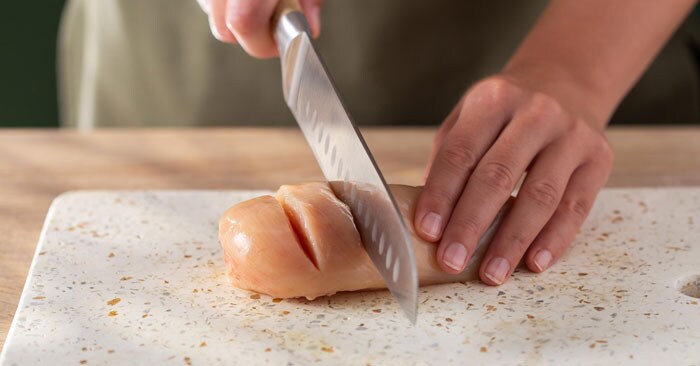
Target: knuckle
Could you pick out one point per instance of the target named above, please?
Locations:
(497, 176)
(578, 207)
(577, 129)
(243, 19)
(599, 150)
(466, 226)
(458, 155)
(439, 197)
(494, 89)
(544, 193)
(545, 104)
(542, 106)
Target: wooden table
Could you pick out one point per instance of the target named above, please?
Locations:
(37, 165)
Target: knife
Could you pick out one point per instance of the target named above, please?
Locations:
(343, 155)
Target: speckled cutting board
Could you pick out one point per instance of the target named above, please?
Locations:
(138, 278)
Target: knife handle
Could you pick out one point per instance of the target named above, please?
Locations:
(284, 7)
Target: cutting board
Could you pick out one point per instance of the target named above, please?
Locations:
(138, 278)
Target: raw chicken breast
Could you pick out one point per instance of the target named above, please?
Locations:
(303, 243)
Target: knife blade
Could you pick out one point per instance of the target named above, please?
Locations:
(343, 156)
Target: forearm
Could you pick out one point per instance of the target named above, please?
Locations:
(595, 49)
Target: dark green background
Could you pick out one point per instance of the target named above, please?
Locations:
(27, 63)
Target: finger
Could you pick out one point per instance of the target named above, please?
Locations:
(217, 21)
(570, 214)
(312, 11)
(204, 4)
(444, 129)
(494, 178)
(536, 202)
(481, 118)
(249, 21)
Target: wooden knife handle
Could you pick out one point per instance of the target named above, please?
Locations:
(284, 7)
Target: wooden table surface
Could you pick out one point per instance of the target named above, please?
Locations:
(37, 165)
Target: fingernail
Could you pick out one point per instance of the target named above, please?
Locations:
(497, 270)
(214, 29)
(431, 225)
(542, 259)
(455, 256)
(204, 4)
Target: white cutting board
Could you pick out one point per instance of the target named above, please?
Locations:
(614, 298)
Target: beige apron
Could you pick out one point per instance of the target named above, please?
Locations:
(155, 63)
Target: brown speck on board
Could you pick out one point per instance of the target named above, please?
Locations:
(449, 320)
(44, 252)
(484, 349)
(83, 362)
(644, 206)
(377, 311)
(110, 351)
(530, 316)
(583, 274)
(327, 349)
(38, 297)
(203, 344)
(255, 296)
(676, 249)
(616, 219)
(95, 234)
(268, 349)
(599, 308)
(144, 316)
(126, 278)
(114, 301)
(112, 313)
(592, 345)
(188, 362)
(111, 255)
(188, 256)
(277, 300)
